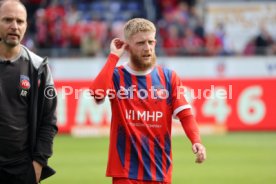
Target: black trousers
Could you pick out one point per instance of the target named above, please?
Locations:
(26, 176)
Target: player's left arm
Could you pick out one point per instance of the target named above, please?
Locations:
(190, 127)
(183, 111)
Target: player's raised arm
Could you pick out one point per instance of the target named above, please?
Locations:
(103, 82)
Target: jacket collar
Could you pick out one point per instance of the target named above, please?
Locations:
(36, 60)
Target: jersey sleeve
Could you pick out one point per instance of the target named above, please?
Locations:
(103, 82)
(189, 125)
(179, 102)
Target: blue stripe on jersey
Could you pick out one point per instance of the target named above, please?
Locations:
(168, 151)
(121, 144)
(134, 162)
(127, 78)
(116, 79)
(158, 159)
(168, 76)
(142, 84)
(155, 78)
(146, 158)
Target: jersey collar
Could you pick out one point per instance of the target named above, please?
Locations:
(138, 73)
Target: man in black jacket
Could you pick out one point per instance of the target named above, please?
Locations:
(27, 103)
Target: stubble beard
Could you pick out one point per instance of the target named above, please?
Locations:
(11, 44)
(140, 64)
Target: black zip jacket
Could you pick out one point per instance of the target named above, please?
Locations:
(42, 112)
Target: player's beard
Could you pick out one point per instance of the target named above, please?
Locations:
(140, 64)
(11, 43)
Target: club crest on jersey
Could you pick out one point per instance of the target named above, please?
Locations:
(24, 85)
(160, 92)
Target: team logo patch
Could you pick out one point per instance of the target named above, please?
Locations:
(160, 92)
(24, 85)
(25, 82)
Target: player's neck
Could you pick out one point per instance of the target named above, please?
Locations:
(134, 71)
(8, 53)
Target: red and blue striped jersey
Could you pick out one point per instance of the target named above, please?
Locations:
(142, 108)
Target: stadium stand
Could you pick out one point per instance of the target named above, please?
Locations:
(58, 28)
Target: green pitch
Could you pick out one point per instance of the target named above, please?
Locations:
(235, 158)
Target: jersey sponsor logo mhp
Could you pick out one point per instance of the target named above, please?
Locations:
(143, 115)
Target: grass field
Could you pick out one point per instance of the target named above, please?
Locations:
(234, 158)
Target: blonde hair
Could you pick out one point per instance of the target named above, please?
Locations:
(137, 25)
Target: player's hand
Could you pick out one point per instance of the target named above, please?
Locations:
(200, 152)
(38, 170)
(117, 47)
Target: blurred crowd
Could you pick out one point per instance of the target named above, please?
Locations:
(85, 28)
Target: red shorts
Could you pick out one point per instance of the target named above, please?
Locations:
(130, 181)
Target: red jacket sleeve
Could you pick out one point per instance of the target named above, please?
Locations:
(189, 125)
(103, 82)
